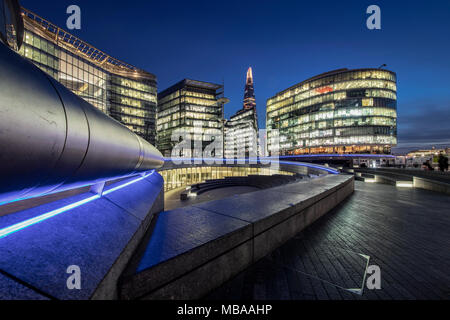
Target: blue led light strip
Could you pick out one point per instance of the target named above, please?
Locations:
(27, 223)
(126, 184)
(24, 224)
(40, 195)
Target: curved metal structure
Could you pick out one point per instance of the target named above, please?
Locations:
(51, 140)
(10, 15)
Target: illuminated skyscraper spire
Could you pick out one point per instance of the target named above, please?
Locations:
(249, 96)
(250, 75)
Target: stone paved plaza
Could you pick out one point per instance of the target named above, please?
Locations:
(404, 231)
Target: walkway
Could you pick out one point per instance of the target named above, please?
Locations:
(406, 232)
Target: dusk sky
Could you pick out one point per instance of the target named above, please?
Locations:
(285, 42)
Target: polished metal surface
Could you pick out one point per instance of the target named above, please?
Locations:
(51, 140)
(10, 14)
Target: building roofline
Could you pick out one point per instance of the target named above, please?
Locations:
(190, 82)
(81, 48)
(203, 84)
(327, 74)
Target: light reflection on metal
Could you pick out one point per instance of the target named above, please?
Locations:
(52, 141)
(11, 20)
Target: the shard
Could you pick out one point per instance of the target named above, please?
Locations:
(249, 95)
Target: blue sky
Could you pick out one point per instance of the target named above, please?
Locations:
(284, 42)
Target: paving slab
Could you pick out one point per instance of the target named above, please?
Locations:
(175, 235)
(13, 290)
(403, 231)
(261, 208)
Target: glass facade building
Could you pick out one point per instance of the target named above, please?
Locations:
(120, 90)
(183, 177)
(193, 106)
(241, 135)
(341, 111)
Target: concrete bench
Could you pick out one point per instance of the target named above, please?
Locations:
(193, 250)
(260, 182)
(393, 180)
(384, 177)
(432, 185)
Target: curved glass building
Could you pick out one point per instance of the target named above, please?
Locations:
(341, 111)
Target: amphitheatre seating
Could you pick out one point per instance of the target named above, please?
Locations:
(380, 176)
(257, 181)
(428, 180)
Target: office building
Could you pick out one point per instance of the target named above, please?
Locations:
(342, 111)
(241, 135)
(118, 89)
(194, 107)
